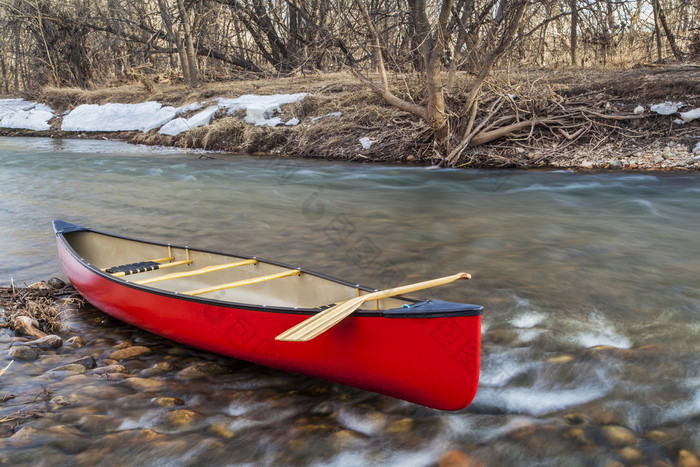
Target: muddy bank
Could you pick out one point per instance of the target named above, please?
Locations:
(603, 120)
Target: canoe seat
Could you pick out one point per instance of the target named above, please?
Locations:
(134, 268)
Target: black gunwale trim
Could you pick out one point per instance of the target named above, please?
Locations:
(61, 228)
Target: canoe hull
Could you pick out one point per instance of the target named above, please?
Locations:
(433, 362)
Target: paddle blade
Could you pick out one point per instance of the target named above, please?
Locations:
(320, 323)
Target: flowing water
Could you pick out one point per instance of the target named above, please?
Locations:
(589, 283)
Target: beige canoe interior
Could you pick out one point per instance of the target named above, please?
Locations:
(216, 276)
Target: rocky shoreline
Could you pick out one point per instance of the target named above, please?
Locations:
(98, 393)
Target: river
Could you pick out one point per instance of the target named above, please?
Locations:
(589, 283)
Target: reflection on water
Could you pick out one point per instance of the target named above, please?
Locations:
(589, 283)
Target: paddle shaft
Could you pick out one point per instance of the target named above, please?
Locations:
(321, 322)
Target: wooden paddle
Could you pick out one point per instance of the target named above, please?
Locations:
(320, 323)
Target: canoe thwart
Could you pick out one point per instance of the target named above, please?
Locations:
(144, 266)
(326, 319)
(196, 272)
(253, 280)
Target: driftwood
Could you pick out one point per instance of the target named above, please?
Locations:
(27, 326)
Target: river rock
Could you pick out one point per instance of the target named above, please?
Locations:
(630, 455)
(402, 425)
(145, 384)
(656, 436)
(88, 362)
(181, 417)
(459, 459)
(129, 352)
(95, 423)
(618, 436)
(169, 401)
(202, 369)
(103, 370)
(75, 341)
(56, 283)
(71, 368)
(23, 352)
(49, 342)
(222, 431)
(687, 459)
(58, 401)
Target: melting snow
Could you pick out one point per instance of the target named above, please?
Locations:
(639, 109)
(260, 109)
(667, 108)
(118, 117)
(691, 115)
(366, 142)
(21, 114)
(177, 126)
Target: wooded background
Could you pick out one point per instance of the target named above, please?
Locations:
(87, 43)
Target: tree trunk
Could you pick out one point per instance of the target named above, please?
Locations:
(189, 44)
(574, 28)
(669, 35)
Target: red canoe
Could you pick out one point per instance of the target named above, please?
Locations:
(426, 352)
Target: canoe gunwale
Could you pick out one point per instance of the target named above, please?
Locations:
(61, 228)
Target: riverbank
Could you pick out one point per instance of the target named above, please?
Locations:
(605, 119)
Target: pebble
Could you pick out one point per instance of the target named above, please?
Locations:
(459, 459)
(23, 352)
(88, 362)
(103, 370)
(202, 369)
(169, 401)
(618, 436)
(72, 368)
(47, 343)
(181, 417)
(222, 431)
(630, 455)
(129, 352)
(687, 459)
(402, 425)
(75, 341)
(145, 384)
(56, 283)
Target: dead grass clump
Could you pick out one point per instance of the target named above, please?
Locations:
(226, 134)
(38, 301)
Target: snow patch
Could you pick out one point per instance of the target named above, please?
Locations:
(638, 110)
(666, 108)
(696, 149)
(366, 142)
(118, 117)
(260, 110)
(292, 122)
(188, 108)
(179, 125)
(21, 114)
(691, 115)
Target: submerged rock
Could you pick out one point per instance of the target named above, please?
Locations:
(169, 401)
(23, 352)
(88, 362)
(71, 368)
(145, 384)
(75, 341)
(129, 352)
(103, 370)
(181, 417)
(49, 342)
(459, 459)
(199, 370)
(618, 435)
